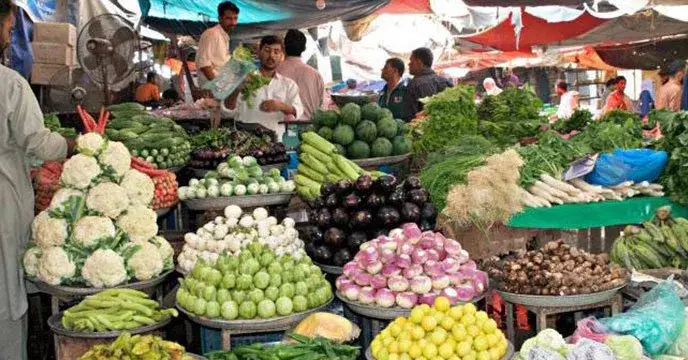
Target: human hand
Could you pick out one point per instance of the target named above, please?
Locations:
(272, 106)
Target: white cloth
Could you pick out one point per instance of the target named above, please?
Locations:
(22, 136)
(280, 88)
(213, 51)
(491, 87)
(567, 105)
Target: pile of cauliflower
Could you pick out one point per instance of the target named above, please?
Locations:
(99, 229)
(234, 232)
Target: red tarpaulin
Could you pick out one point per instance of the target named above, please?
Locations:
(535, 31)
(407, 7)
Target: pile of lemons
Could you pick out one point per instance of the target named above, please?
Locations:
(441, 332)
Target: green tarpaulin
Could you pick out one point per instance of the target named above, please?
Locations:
(593, 215)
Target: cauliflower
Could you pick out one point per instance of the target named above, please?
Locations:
(232, 212)
(107, 198)
(260, 213)
(139, 222)
(246, 221)
(117, 156)
(79, 171)
(104, 268)
(90, 143)
(187, 258)
(47, 231)
(166, 251)
(55, 266)
(32, 258)
(61, 196)
(147, 262)
(288, 223)
(89, 229)
(139, 187)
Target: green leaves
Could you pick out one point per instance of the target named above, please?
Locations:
(507, 118)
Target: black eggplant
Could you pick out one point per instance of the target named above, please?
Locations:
(324, 218)
(352, 201)
(387, 183)
(341, 257)
(410, 212)
(355, 240)
(417, 196)
(426, 225)
(364, 184)
(323, 254)
(344, 187)
(310, 249)
(388, 216)
(396, 197)
(335, 238)
(374, 201)
(361, 219)
(328, 189)
(428, 212)
(412, 182)
(317, 203)
(377, 232)
(316, 235)
(331, 201)
(340, 217)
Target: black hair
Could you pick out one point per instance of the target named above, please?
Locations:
(170, 94)
(271, 40)
(611, 82)
(150, 77)
(424, 55)
(619, 78)
(6, 7)
(294, 43)
(227, 6)
(561, 84)
(397, 64)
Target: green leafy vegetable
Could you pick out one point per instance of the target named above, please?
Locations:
(675, 143)
(510, 116)
(578, 121)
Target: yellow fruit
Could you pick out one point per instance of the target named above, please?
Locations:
(459, 332)
(495, 354)
(446, 350)
(415, 351)
(430, 351)
(438, 336)
(442, 303)
(468, 319)
(447, 323)
(424, 307)
(423, 343)
(376, 345)
(484, 355)
(386, 341)
(404, 346)
(503, 342)
(429, 323)
(405, 335)
(480, 343)
(463, 348)
(382, 355)
(393, 348)
(385, 333)
(409, 326)
(481, 315)
(492, 340)
(416, 315)
(489, 326)
(456, 313)
(469, 309)
(405, 356)
(471, 356)
(439, 316)
(395, 330)
(393, 356)
(400, 320)
(450, 340)
(473, 330)
(417, 333)
(454, 357)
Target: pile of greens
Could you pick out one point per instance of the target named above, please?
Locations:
(254, 80)
(550, 155)
(675, 143)
(578, 121)
(610, 134)
(512, 115)
(305, 348)
(52, 122)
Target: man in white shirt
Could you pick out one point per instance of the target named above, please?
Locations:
(273, 102)
(568, 101)
(213, 48)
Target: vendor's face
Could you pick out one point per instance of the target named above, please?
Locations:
(270, 56)
(621, 85)
(387, 72)
(414, 65)
(229, 20)
(6, 25)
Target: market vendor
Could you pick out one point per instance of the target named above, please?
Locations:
(568, 101)
(618, 100)
(213, 47)
(491, 87)
(309, 80)
(22, 137)
(148, 93)
(669, 95)
(392, 96)
(425, 81)
(273, 102)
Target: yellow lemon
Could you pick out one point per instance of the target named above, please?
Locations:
(447, 323)
(386, 341)
(405, 335)
(415, 351)
(393, 356)
(438, 336)
(454, 357)
(480, 343)
(481, 315)
(430, 351)
(470, 309)
(424, 307)
(463, 348)
(484, 355)
(439, 316)
(489, 326)
(456, 313)
(445, 350)
(450, 340)
(422, 343)
(417, 333)
(473, 330)
(495, 354)
(393, 348)
(400, 320)
(382, 355)
(404, 356)
(492, 340)
(471, 356)
(442, 303)
(404, 345)
(459, 332)
(395, 330)
(375, 345)
(429, 323)
(417, 315)
(468, 319)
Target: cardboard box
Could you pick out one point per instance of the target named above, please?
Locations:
(43, 74)
(53, 53)
(59, 33)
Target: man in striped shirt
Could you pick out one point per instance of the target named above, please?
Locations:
(425, 81)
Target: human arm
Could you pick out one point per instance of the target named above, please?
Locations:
(291, 105)
(210, 47)
(411, 100)
(155, 93)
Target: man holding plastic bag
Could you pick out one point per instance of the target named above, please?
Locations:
(277, 98)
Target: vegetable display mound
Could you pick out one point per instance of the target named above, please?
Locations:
(99, 229)
(349, 213)
(299, 348)
(674, 142)
(549, 344)
(411, 267)
(212, 147)
(557, 269)
(52, 122)
(256, 284)
(166, 188)
(137, 347)
(114, 310)
(235, 232)
(237, 177)
(511, 116)
(438, 330)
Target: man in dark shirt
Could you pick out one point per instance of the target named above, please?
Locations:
(425, 81)
(392, 96)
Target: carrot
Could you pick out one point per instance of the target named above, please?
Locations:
(84, 120)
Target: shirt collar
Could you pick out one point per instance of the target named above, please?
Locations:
(426, 71)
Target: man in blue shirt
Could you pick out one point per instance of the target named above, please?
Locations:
(392, 96)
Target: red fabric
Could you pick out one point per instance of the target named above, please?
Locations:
(535, 31)
(482, 60)
(407, 7)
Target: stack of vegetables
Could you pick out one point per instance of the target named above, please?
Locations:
(212, 147)
(349, 213)
(661, 242)
(300, 347)
(363, 132)
(511, 116)
(438, 330)
(47, 182)
(256, 284)
(137, 347)
(674, 129)
(99, 229)
(115, 310)
(556, 269)
(237, 177)
(52, 122)
(159, 141)
(411, 267)
(549, 344)
(236, 231)
(166, 188)
(320, 161)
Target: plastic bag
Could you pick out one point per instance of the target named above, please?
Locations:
(652, 320)
(542, 353)
(625, 347)
(635, 165)
(589, 328)
(680, 346)
(229, 76)
(587, 349)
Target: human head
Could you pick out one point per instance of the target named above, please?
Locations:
(294, 43)
(421, 58)
(228, 15)
(150, 77)
(620, 84)
(676, 69)
(6, 23)
(393, 70)
(270, 52)
(170, 96)
(611, 83)
(489, 83)
(562, 87)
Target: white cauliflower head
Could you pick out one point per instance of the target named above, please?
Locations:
(117, 156)
(47, 231)
(139, 222)
(166, 250)
(138, 186)
(31, 261)
(79, 171)
(55, 266)
(89, 229)
(104, 268)
(90, 143)
(147, 262)
(63, 195)
(107, 198)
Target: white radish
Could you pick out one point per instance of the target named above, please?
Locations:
(554, 191)
(529, 200)
(622, 185)
(537, 191)
(582, 185)
(559, 185)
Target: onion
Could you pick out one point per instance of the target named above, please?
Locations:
(427, 299)
(468, 266)
(367, 245)
(465, 291)
(349, 268)
(419, 256)
(427, 240)
(413, 271)
(385, 298)
(387, 256)
(367, 295)
(412, 232)
(456, 278)
(440, 282)
(390, 270)
(452, 247)
(367, 256)
(355, 272)
(404, 248)
(397, 233)
(378, 281)
(351, 291)
(374, 267)
(433, 268)
(480, 282)
(433, 255)
(387, 243)
(451, 294)
(450, 265)
(397, 283)
(462, 257)
(362, 279)
(438, 240)
(421, 284)
(404, 261)
(341, 282)
(407, 299)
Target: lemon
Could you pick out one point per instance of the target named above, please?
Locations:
(423, 343)
(424, 307)
(489, 326)
(405, 335)
(417, 315)
(386, 341)
(382, 355)
(430, 351)
(456, 313)
(454, 357)
(481, 315)
(480, 343)
(484, 355)
(492, 340)
(385, 333)
(375, 345)
(447, 323)
(468, 319)
(404, 356)
(395, 330)
(450, 340)
(438, 336)
(471, 356)
(393, 347)
(429, 323)
(470, 309)
(459, 332)
(463, 348)
(417, 333)
(495, 354)
(446, 350)
(442, 303)
(409, 326)
(439, 316)
(415, 351)
(473, 330)
(393, 356)
(404, 346)
(400, 320)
